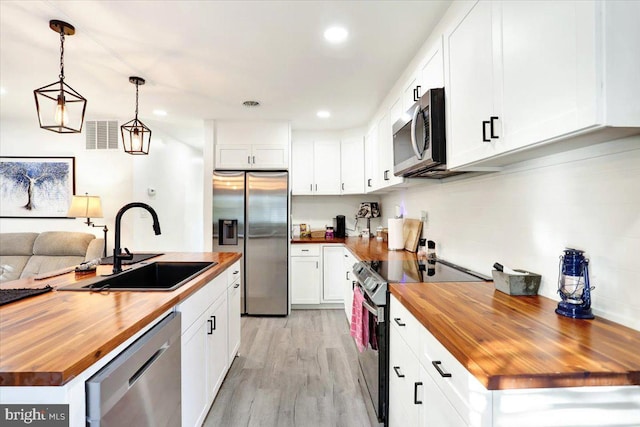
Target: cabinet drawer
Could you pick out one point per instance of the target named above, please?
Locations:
(305, 249)
(470, 398)
(406, 324)
(233, 273)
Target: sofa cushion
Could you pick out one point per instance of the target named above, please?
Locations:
(11, 266)
(62, 243)
(17, 243)
(39, 264)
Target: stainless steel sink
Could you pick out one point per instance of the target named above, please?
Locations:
(155, 276)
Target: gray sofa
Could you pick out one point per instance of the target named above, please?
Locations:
(30, 254)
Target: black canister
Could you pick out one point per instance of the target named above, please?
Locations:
(339, 227)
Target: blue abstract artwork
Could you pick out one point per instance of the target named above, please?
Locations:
(36, 187)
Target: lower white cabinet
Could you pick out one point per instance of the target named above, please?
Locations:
(349, 282)
(332, 273)
(205, 324)
(234, 311)
(305, 274)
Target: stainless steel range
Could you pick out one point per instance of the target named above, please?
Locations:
(373, 277)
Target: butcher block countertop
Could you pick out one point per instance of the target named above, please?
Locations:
(47, 340)
(512, 342)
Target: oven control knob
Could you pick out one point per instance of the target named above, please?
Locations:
(370, 283)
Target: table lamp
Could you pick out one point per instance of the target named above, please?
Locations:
(88, 207)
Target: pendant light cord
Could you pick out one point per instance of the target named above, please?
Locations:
(61, 54)
(136, 100)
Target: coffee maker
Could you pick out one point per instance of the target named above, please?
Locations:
(339, 228)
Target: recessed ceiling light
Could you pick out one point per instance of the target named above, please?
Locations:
(336, 34)
(323, 114)
(251, 103)
(160, 113)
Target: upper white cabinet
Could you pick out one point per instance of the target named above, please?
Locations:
(315, 168)
(352, 165)
(431, 73)
(252, 145)
(327, 166)
(525, 74)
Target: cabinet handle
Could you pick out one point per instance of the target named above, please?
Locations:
(484, 132)
(316, 265)
(353, 284)
(493, 119)
(249, 159)
(310, 187)
(398, 373)
(398, 321)
(253, 159)
(343, 186)
(415, 393)
(236, 286)
(386, 175)
(436, 364)
(214, 323)
(304, 250)
(369, 182)
(347, 275)
(316, 187)
(210, 331)
(416, 94)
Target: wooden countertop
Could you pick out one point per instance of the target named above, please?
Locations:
(47, 340)
(510, 342)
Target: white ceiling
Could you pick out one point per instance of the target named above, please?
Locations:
(202, 59)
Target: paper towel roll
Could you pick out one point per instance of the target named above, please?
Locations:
(396, 237)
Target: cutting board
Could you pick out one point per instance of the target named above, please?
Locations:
(411, 230)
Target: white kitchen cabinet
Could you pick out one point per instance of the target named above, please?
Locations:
(352, 162)
(349, 282)
(444, 415)
(305, 274)
(515, 92)
(432, 68)
(204, 349)
(234, 310)
(316, 168)
(333, 274)
(371, 160)
(406, 388)
(385, 146)
(252, 145)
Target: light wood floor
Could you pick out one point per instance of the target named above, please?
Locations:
(299, 371)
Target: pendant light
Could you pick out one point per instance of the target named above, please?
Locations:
(60, 108)
(136, 137)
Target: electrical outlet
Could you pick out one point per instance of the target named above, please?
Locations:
(423, 216)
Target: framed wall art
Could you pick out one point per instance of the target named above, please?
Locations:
(36, 187)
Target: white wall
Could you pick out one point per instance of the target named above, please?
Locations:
(525, 216)
(173, 168)
(104, 173)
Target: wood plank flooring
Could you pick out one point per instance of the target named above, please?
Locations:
(299, 370)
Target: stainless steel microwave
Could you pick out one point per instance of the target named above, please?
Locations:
(419, 143)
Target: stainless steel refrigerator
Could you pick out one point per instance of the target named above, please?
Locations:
(250, 215)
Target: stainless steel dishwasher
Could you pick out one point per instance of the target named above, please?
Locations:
(141, 386)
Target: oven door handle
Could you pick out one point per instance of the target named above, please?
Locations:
(378, 312)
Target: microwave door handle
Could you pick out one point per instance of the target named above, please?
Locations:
(414, 143)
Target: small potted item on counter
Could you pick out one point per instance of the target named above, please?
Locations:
(328, 234)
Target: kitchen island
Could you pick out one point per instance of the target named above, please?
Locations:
(51, 343)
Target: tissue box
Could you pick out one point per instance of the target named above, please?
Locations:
(516, 284)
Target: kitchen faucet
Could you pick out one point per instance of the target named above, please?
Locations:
(118, 256)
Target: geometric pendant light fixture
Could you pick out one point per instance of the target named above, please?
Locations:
(60, 108)
(136, 136)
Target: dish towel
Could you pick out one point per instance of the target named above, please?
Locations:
(359, 320)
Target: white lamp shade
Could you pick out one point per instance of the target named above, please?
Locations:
(85, 207)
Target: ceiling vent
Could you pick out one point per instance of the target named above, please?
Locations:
(101, 134)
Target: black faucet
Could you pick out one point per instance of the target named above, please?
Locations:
(118, 256)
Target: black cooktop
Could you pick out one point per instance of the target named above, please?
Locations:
(423, 270)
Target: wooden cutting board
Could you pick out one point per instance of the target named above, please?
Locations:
(411, 230)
